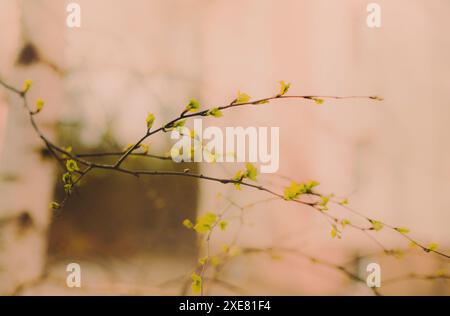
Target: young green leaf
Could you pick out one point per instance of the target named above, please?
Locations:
(335, 232)
(238, 177)
(311, 185)
(203, 260)
(376, 225)
(179, 123)
(205, 222)
(251, 172)
(39, 105)
(67, 178)
(72, 165)
(318, 101)
(196, 285)
(27, 85)
(145, 148)
(188, 224)
(402, 230)
(242, 97)
(432, 246)
(294, 190)
(192, 106)
(68, 188)
(345, 222)
(150, 120)
(223, 224)
(54, 205)
(284, 87)
(215, 112)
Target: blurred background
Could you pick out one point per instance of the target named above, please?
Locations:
(390, 158)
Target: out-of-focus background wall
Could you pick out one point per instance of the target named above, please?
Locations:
(99, 81)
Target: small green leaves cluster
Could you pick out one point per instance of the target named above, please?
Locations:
(204, 223)
(296, 189)
(67, 178)
(250, 172)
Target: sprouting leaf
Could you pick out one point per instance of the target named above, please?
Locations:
(205, 222)
(145, 148)
(323, 204)
(223, 224)
(344, 222)
(203, 260)
(343, 202)
(264, 101)
(311, 185)
(334, 232)
(251, 172)
(179, 123)
(377, 98)
(188, 224)
(68, 188)
(284, 87)
(238, 177)
(376, 225)
(196, 285)
(242, 97)
(432, 246)
(318, 101)
(71, 165)
(294, 190)
(193, 105)
(150, 120)
(27, 85)
(39, 105)
(402, 230)
(54, 205)
(397, 253)
(67, 178)
(128, 147)
(215, 112)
